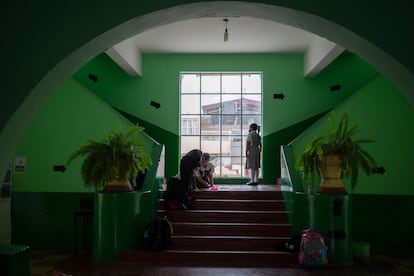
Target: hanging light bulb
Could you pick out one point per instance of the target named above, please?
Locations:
(226, 33)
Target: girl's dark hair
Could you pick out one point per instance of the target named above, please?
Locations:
(253, 126)
(205, 156)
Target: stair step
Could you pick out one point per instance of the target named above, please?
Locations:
(231, 229)
(244, 195)
(236, 204)
(232, 243)
(237, 225)
(211, 258)
(240, 204)
(224, 216)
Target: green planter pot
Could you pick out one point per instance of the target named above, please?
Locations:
(116, 224)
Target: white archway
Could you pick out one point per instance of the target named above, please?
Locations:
(402, 78)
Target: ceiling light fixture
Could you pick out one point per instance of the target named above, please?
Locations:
(226, 33)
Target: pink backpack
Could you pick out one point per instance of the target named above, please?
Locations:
(313, 251)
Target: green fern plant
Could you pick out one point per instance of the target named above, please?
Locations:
(338, 140)
(120, 156)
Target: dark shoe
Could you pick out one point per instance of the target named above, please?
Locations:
(252, 183)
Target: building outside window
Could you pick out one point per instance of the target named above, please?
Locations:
(216, 111)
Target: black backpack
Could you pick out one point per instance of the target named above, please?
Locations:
(157, 234)
(174, 189)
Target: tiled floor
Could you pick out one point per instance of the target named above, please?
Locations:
(47, 262)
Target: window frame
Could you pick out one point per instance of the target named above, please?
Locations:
(216, 113)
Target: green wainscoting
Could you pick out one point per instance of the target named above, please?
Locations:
(384, 221)
(46, 219)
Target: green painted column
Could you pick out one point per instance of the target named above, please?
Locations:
(116, 224)
(331, 215)
(299, 219)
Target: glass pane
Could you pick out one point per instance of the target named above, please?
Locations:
(237, 166)
(236, 146)
(231, 124)
(221, 111)
(189, 143)
(231, 166)
(210, 104)
(225, 146)
(216, 160)
(252, 83)
(252, 104)
(249, 119)
(190, 104)
(190, 83)
(210, 144)
(243, 145)
(231, 83)
(210, 83)
(231, 104)
(210, 124)
(245, 171)
(225, 162)
(190, 125)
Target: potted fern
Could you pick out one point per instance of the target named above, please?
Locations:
(335, 155)
(110, 164)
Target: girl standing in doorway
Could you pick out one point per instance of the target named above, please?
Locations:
(253, 150)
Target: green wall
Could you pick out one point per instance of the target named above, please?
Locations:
(168, 139)
(70, 117)
(384, 116)
(282, 119)
(44, 201)
(273, 142)
(32, 69)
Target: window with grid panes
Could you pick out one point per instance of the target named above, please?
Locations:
(216, 110)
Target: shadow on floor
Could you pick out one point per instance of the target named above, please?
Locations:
(50, 262)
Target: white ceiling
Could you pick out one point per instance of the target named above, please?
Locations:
(206, 35)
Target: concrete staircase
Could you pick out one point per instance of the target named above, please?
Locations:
(239, 228)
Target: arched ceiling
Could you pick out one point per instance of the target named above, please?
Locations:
(47, 70)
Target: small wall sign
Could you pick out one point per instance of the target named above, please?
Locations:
(20, 164)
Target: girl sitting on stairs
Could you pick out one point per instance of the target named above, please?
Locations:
(203, 175)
